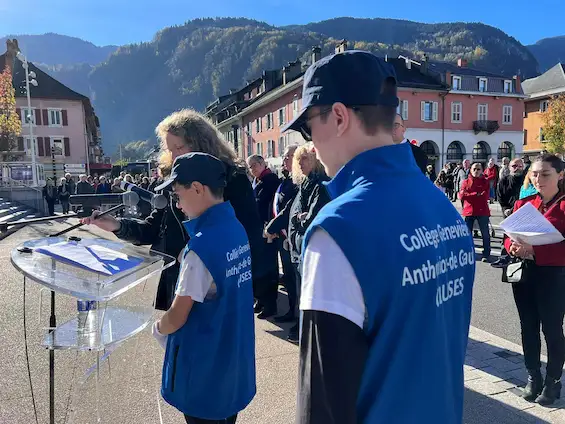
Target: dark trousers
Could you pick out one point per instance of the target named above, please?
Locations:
(483, 226)
(65, 205)
(192, 420)
(51, 207)
(289, 275)
(265, 287)
(542, 301)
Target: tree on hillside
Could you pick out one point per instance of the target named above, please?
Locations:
(554, 125)
(10, 123)
(133, 151)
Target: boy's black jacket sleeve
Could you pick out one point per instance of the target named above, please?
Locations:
(333, 352)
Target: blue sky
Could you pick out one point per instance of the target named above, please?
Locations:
(125, 21)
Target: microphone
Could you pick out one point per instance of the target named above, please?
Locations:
(157, 201)
(128, 198)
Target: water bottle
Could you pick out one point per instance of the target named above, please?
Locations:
(85, 317)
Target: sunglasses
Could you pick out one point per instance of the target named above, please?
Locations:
(304, 126)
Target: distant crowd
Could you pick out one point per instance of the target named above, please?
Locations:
(89, 184)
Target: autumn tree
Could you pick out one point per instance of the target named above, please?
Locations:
(554, 125)
(10, 124)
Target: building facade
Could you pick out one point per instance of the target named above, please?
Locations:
(451, 111)
(540, 90)
(66, 131)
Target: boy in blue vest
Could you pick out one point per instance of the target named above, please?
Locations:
(386, 307)
(208, 332)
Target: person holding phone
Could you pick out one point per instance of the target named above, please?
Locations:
(475, 193)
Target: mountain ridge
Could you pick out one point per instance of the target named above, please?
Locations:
(190, 65)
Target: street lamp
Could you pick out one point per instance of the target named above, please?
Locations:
(30, 79)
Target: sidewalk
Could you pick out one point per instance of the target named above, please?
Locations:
(495, 369)
(130, 381)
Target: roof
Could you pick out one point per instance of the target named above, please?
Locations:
(443, 67)
(47, 86)
(552, 79)
(414, 78)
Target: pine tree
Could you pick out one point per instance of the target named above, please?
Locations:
(554, 125)
(10, 123)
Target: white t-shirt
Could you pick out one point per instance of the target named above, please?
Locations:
(194, 279)
(329, 283)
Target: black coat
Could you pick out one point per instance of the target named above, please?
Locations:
(163, 230)
(311, 197)
(265, 190)
(508, 190)
(420, 156)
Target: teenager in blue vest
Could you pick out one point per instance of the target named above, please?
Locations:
(208, 332)
(386, 308)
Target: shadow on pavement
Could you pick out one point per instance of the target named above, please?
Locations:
(480, 409)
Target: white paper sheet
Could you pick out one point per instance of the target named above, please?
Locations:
(528, 225)
(92, 257)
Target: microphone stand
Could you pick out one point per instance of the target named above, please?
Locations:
(52, 317)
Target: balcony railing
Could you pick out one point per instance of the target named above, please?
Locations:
(487, 126)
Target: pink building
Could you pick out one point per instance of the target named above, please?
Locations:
(66, 130)
(452, 111)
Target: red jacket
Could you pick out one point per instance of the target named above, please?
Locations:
(550, 254)
(473, 203)
(491, 174)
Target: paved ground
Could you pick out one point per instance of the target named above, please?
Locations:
(130, 381)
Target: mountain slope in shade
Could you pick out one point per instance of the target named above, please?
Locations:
(55, 49)
(488, 47)
(549, 52)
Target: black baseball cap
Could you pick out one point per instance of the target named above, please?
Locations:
(353, 77)
(206, 169)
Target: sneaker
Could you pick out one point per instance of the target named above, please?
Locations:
(267, 313)
(501, 262)
(486, 259)
(258, 307)
(476, 234)
(293, 335)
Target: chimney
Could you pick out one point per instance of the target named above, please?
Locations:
(448, 78)
(291, 71)
(424, 64)
(12, 50)
(462, 63)
(316, 54)
(517, 84)
(341, 47)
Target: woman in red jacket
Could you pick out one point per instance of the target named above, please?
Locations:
(475, 195)
(540, 295)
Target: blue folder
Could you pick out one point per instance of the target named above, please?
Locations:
(93, 257)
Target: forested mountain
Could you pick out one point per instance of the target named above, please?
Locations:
(55, 49)
(191, 64)
(549, 52)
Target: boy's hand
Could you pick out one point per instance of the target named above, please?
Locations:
(161, 338)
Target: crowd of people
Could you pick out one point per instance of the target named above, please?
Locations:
(374, 282)
(94, 184)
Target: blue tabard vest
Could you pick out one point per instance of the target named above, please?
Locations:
(209, 366)
(414, 258)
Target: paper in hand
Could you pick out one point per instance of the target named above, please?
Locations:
(529, 226)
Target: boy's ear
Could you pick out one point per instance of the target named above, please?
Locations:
(198, 187)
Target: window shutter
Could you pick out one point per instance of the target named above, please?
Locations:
(67, 143)
(47, 144)
(434, 111)
(45, 114)
(19, 112)
(64, 117)
(21, 144)
(423, 110)
(37, 113)
(405, 109)
(40, 149)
